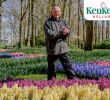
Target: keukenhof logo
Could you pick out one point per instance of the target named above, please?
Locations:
(97, 9)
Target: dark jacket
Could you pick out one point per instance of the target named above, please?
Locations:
(56, 42)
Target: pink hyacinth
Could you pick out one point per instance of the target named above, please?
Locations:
(100, 63)
(3, 50)
(17, 54)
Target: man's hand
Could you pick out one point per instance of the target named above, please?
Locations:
(65, 31)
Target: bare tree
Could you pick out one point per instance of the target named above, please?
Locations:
(71, 21)
(95, 32)
(2, 1)
(49, 7)
(83, 22)
(107, 30)
(30, 19)
(99, 32)
(64, 8)
(89, 36)
(22, 16)
(78, 22)
(32, 24)
(102, 30)
(28, 26)
(53, 3)
(20, 26)
(0, 20)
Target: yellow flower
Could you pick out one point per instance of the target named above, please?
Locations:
(106, 94)
(48, 97)
(19, 93)
(46, 90)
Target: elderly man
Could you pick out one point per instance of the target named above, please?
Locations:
(56, 32)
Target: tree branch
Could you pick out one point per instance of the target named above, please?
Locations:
(2, 2)
(24, 12)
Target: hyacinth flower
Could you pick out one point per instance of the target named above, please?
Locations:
(88, 70)
(19, 57)
(3, 50)
(102, 83)
(17, 54)
(101, 63)
(73, 92)
(5, 55)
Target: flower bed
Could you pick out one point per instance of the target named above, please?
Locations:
(3, 50)
(5, 55)
(56, 90)
(101, 63)
(88, 70)
(18, 55)
(102, 83)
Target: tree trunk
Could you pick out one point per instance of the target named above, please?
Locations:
(14, 33)
(71, 21)
(83, 27)
(95, 31)
(0, 21)
(20, 27)
(64, 8)
(99, 32)
(49, 7)
(28, 29)
(32, 24)
(83, 22)
(107, 30)
(102, 30)
(78, 23)
(53, 3)
(24, 29)
(89, 36)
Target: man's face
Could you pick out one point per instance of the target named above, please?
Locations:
(56, 12)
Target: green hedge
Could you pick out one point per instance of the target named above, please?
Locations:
(102, 45)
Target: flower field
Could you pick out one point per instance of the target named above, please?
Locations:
(91, 68)
(33, 33)
(56, 90)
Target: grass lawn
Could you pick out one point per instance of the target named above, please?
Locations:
(40, 76)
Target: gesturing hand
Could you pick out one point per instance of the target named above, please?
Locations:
(65, 31)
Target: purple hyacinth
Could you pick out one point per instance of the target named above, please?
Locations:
(102, 83)
(88, 70)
